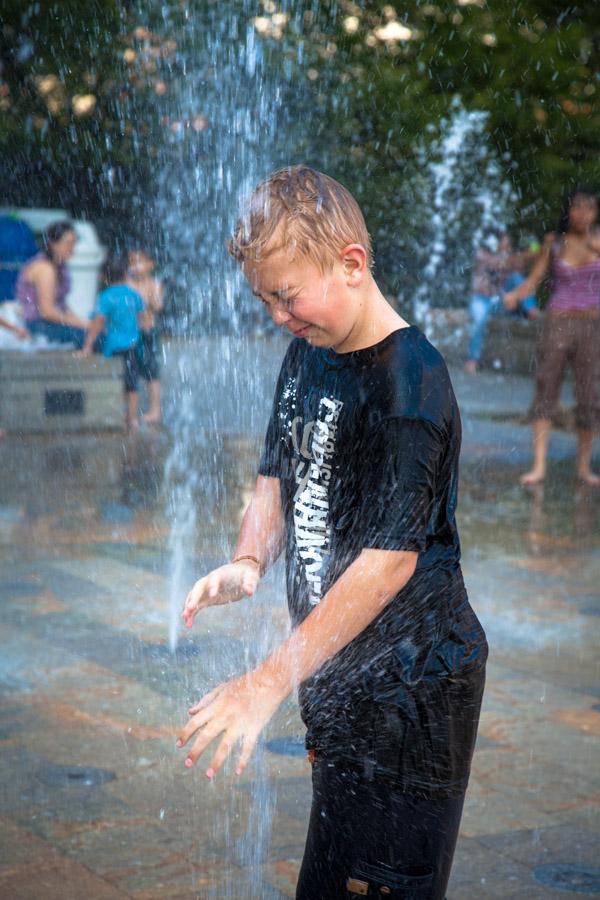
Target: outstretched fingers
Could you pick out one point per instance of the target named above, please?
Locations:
(221, 754)
(194, 600)
(206, 737)
(249, 585)
(208, 698)
(190, 608)
(195, 722)
(248, 745)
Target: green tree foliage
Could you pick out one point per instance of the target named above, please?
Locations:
(83, 108)
(89, 101)
(532, 65)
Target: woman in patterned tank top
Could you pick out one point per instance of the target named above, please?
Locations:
(571, 333)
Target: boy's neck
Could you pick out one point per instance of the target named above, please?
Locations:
(375, 321)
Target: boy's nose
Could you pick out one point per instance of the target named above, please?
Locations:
(280, 316)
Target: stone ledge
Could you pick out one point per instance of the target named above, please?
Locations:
(57, 391)
(510, 345)
(510, 342)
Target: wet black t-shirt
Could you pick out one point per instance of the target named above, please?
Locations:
(366, 447)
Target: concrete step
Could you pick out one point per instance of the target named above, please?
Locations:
(57, 392)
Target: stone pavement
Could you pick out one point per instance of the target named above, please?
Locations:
(94, 799)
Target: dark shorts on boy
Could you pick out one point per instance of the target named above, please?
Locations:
(147, 353)
(130, 369)
(368, 839)
(391, 749)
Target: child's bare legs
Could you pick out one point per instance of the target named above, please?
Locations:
(131, 410)
(585, 443)
(480, 309)
(154, 415)
(541, 439)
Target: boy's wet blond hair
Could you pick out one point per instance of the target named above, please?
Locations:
(304, 211)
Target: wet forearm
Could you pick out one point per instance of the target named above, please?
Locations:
(262, 529)
(351, 604)
(95, 329)
(531, 283)
(60, 317)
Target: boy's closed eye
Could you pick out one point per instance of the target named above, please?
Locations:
(281, 299)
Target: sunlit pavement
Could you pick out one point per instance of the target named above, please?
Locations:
(94, 799)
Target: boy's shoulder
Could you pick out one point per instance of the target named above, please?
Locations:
(403, 376)
(111, 290)
(118, 292)
(420, 380)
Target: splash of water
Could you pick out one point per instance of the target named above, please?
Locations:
(230, 87)
(468, 194)
(217, 406)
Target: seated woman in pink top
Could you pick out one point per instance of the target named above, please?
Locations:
(43, 285)
(571, 332)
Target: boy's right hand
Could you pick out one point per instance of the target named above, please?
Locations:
(226, 584)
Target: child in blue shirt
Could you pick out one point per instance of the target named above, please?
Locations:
(117, 312)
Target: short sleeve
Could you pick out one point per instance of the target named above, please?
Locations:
(103, 304)
(400, 487)
(271, 461)
(139, 302)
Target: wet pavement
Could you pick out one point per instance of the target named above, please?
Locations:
(94, 799)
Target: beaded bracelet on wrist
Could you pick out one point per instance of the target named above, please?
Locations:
(251, 558)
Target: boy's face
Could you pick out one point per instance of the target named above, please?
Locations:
(321, 308)
(139, 263)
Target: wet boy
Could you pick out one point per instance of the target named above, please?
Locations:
(358, 483)
(116, 316)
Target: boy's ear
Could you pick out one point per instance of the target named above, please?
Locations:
(354, 261)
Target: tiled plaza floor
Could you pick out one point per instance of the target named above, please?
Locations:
(94, 800)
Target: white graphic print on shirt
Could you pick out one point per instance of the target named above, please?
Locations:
(314, 447)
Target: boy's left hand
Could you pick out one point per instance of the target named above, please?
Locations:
(237, 710)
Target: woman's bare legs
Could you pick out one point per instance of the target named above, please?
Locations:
(541, 439)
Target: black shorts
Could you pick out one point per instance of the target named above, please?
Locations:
(365, 836)
(130, 369)
(147, 353)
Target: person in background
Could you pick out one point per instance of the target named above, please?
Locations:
(117, 313)
(521, 261)
(571, 333)
(43, 285)
(497, 269)
(140, 277)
